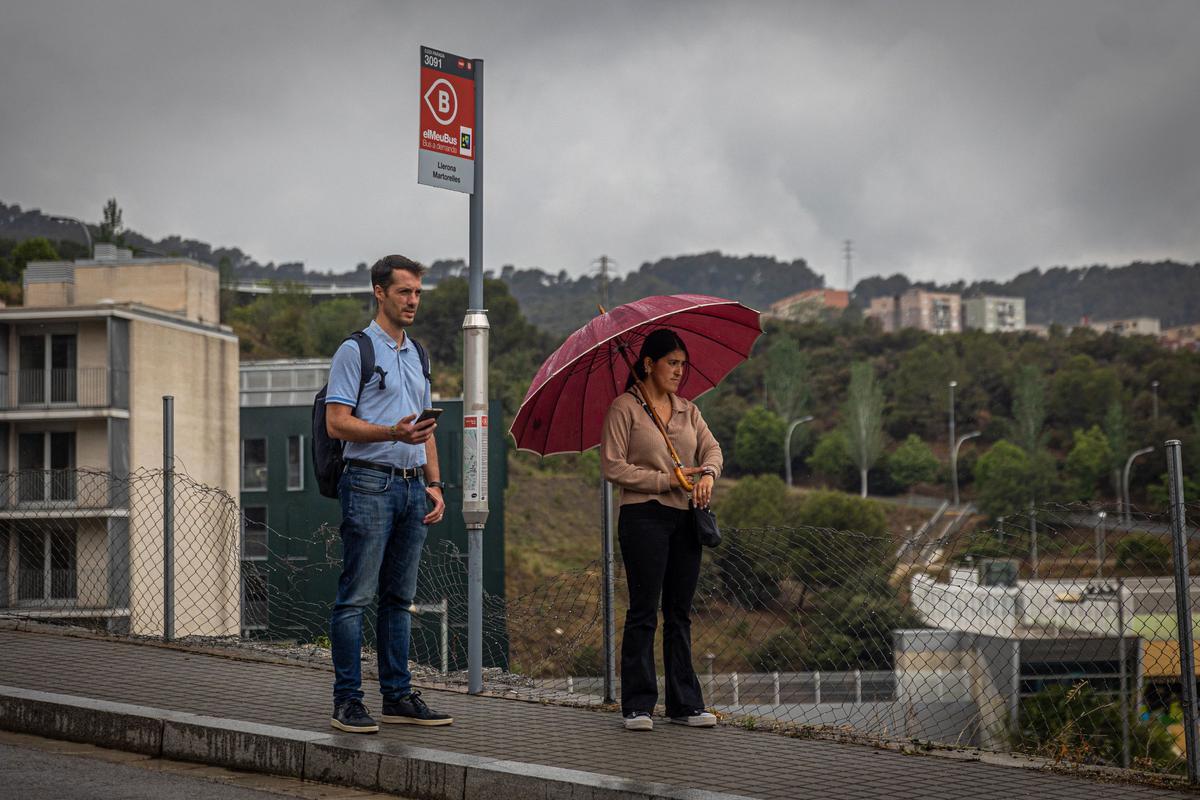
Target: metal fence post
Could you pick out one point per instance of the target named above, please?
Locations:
(1183, 607)
(168, 517)
(610, 627)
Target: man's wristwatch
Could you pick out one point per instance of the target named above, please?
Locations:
(433, 485)
(710, 472)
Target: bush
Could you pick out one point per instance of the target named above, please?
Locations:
(759, 441)
(783, 652)
(912, 462)
(831, 460)
(1144, 553)
(759, 501)
(1082, 725)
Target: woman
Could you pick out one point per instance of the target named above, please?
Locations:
(658, 545)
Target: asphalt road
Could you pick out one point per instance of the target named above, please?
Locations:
(33, 768)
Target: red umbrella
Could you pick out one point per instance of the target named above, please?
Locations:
(563, 411)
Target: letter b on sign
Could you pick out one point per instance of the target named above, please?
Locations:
(443, 102)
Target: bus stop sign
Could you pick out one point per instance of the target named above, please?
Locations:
(446, 156)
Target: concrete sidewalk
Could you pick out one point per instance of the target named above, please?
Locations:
(275, 718)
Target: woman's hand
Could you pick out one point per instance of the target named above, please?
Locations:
(702, 491)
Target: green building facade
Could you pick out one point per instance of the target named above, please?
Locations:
(291, 549)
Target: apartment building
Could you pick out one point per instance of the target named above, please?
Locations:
(936, 312)
(884, 310)
(992, 314)
(1133, 326)
(84, 365)
(810, 305)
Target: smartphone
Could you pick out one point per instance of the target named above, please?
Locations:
(429, 413)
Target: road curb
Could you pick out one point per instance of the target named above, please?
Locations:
(364, 762)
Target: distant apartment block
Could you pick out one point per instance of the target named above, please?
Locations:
(936, 312)
(1181, 337)
(809, 305)
(992, 314)
(884, 310)
(1133, 326)
(84, 365)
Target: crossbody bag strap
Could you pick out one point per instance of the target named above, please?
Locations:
(662, 428)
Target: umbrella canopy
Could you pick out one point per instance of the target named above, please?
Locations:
(564, 409)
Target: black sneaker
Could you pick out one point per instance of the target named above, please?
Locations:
(411, 710)
(351, 716)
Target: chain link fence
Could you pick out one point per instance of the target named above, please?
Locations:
(1052, 634)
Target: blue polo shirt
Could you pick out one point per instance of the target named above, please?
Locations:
(405, 392)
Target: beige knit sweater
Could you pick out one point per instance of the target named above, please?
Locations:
(634, 456)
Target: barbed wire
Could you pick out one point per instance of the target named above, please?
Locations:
(1051, 632)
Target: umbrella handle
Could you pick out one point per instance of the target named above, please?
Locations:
(683, 481)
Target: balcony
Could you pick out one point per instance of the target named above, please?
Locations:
(77, 388)
(62, 494)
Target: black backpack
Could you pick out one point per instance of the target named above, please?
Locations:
(327, 459)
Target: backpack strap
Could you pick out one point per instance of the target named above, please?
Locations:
(424, 357)
(366, 360)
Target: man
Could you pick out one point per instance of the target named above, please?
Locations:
(389, 492)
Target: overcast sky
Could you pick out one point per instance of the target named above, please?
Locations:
(946, 139)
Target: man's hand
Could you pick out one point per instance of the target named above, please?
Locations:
(405, 431)
(439, 506)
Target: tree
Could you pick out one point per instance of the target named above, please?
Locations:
(1088, 461)
(35, 249)
(912, 462)
(831, 459)
(786, 379)
(1029, 408)
(111, 229)
(1082, 391)
(864, 419)
(1144, 554)
(1116, 431)
(1001, 478)
(759, 441)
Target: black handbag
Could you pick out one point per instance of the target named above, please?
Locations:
(704, 523)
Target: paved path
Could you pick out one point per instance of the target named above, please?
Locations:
(727, 759)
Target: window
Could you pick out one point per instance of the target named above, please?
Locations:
(36, 450)
(46, 568)
(255, 597)
(254, 533)
(254, 465)
(47, 368)
(295, 463)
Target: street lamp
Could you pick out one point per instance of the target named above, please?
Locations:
(787, 445)
(1100, 544)
(1125, 483)
(86, 232)
(1154, 390)
(953, 384)
(954, 458)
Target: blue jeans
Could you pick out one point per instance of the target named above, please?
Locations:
(382, 536)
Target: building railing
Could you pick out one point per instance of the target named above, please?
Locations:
(58, 490)
(80, 387)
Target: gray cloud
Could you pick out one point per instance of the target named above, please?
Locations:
(948, 140)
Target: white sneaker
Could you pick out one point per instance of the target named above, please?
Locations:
(638, 721)
(700, 719)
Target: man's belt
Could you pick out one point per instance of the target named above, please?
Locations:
(399, 472)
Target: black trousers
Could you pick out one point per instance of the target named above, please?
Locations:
(662, 562)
